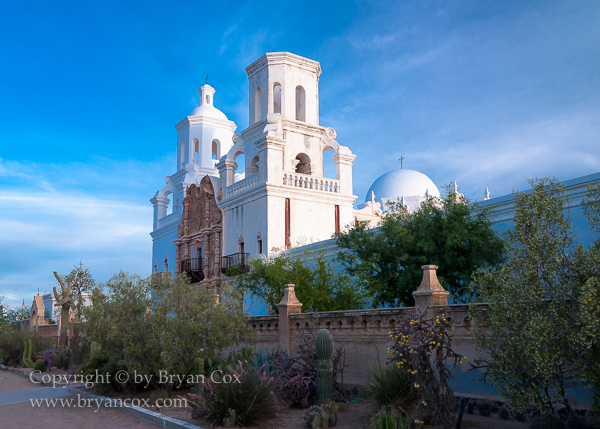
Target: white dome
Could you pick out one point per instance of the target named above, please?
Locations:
(206, 107)
(208, 110)
(396, 184)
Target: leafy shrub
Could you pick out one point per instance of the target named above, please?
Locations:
(390, 387)
(389, 419)
(40, 366)
(251, 398)
(11, 344)
(59, 361)
(105, 363)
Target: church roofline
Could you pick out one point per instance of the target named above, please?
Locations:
(205, 120)
(276, 58)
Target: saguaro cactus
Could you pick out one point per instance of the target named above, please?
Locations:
(324, 346)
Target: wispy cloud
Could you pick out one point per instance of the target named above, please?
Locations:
(53, 227)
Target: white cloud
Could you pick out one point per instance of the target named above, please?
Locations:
(51, 228)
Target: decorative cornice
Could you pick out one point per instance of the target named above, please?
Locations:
(281, 58)
(205, 120)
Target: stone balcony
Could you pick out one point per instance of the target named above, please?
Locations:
(242, 186)
(319, 184)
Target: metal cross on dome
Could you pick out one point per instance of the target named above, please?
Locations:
(401, 159)
(206, 78)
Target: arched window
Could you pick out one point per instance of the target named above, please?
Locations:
(253, 165)
(257, 106)
(329, 169)
(300, 104)
(216, 149)
(196, 149)
(171, 203)
(302, 164)
(277, 98)
(182, 154)
(208, 99)
(240, 160)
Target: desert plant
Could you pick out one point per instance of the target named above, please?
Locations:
(423, 347)
(389, 419)
(539, 335)
(390, 387)
(40, 366)
(322, 416)
(324, 348)
(247, 393)
(27, 362)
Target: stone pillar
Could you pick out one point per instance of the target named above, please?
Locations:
(343, 169)
(289, 305)
(177, 256)
(160, 205)
(430, 292)
(226, 169)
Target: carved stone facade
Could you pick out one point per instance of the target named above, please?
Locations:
(199, 234)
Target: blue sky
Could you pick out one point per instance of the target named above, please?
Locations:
(484, 93)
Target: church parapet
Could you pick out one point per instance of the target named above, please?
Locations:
(305, 181)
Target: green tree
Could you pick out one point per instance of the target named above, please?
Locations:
(190, 321)
(588, 263)
(452, 233)
(161, 324)
(320, 286)
(533, 342)
(118, 322)
(80, 279)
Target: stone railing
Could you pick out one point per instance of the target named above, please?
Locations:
(241, 186)
(365, 333)
(306, 181)
(169, 219)
(48, 330)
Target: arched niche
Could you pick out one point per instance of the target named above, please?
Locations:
(216, 149)
(253, 169)
(302, 164)
(276, 97)
(257, 105)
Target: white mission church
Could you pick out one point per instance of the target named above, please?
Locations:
(221, 217)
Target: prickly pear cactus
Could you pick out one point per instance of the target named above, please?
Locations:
(324, 346)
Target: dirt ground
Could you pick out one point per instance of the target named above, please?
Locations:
(10, 382)
(352, 416)
(24, 415)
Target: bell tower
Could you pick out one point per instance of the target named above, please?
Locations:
(284, 198)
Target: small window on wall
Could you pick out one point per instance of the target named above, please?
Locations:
(196, 149)
(260, 250)
(216, 149)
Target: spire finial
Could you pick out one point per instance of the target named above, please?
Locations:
(401, 159)
(206, 80)
(486, 194)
